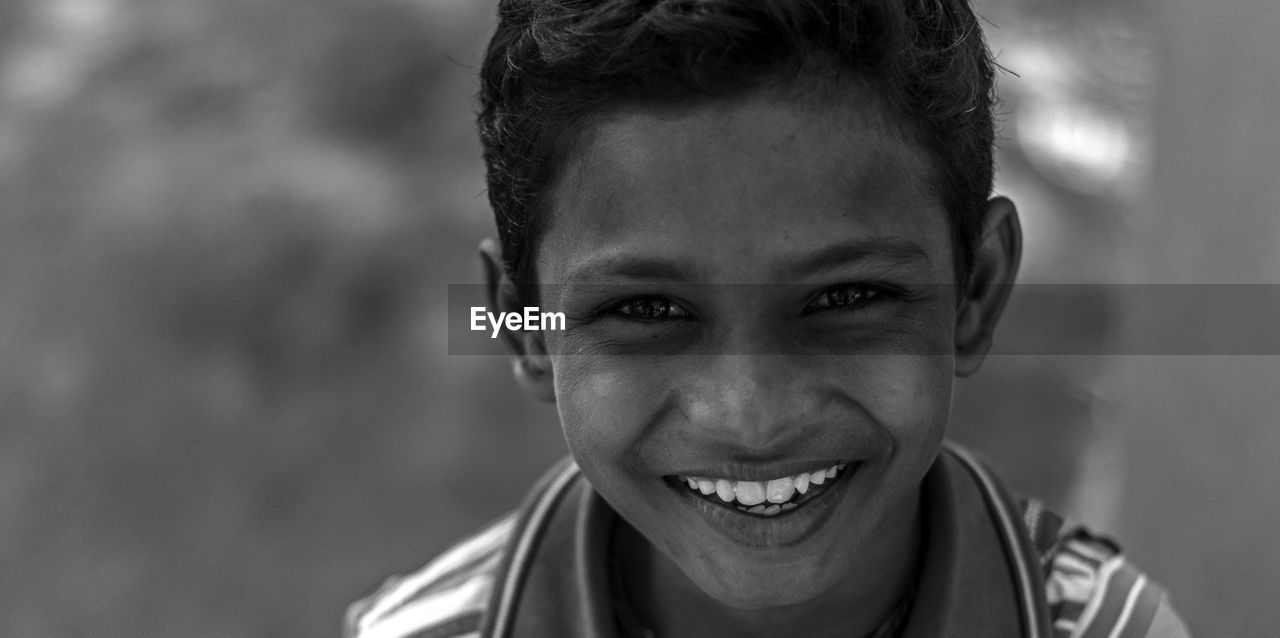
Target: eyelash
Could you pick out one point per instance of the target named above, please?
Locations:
(862, 295)
(662, 309)
(667, 307)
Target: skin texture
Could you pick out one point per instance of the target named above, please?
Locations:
(709, 258)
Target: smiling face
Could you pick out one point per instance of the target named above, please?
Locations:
(689, 392)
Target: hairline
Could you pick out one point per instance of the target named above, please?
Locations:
(812, 85)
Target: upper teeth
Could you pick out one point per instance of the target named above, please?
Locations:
(751, 493)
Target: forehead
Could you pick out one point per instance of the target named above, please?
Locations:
(731, 189)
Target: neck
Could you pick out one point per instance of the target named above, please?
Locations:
(665, 601)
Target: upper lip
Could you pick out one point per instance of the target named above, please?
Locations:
(736, 471)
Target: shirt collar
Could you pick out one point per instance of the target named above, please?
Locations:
(978, 579)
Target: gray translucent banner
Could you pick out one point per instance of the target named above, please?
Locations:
(1040, 319)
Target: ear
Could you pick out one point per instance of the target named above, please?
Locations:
(532, 365)
(983, 295)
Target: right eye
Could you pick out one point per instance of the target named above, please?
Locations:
(649, 309)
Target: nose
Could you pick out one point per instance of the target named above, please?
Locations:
(749, 401)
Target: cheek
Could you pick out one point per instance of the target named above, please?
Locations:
(912, 400)
(603, 411)
(909, 396)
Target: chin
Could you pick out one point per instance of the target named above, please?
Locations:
(759, 586)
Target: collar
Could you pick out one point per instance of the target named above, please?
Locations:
(980, 578)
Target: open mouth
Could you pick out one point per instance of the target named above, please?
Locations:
(763, 498)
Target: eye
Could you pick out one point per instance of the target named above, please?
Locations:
(648, 309)
(845, 297)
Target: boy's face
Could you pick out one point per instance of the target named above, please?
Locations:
(655, 218)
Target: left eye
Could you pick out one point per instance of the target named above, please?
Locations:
(650, 309)
(843, 297)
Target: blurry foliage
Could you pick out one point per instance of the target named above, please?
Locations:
(227, 232)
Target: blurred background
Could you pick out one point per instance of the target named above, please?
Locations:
(227, 229)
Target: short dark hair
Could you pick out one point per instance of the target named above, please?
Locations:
(552, 64)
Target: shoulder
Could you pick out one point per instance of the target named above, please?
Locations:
(1092, 589)
(455, 595)
(446, 598)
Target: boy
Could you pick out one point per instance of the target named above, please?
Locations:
(767, 223)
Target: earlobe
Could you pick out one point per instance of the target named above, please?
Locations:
(533, 373)
(532, 365)
(983, 296)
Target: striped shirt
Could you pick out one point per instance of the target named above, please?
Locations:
(445, 598)
(1094, 592)
(1085, 587)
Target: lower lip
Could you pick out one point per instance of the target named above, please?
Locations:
(788, 528)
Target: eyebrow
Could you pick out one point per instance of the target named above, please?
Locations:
(641, 268)
(886, 252)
